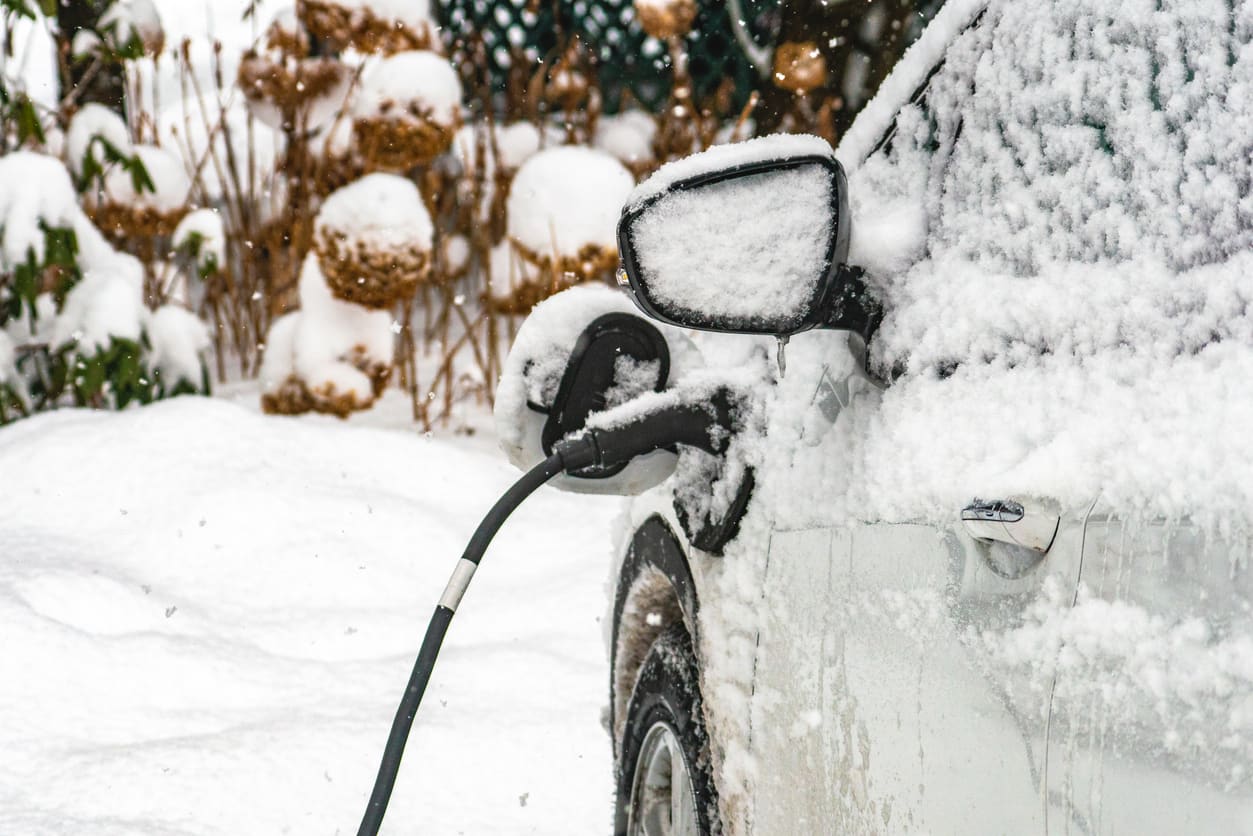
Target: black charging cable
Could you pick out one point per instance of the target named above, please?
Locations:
(682, 423)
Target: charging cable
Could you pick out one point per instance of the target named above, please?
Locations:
(678, 423)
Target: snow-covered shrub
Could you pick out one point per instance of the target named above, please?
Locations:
(371, 26)
(285, 86)
(127, 205)
(132, 28)
(330, 356)
(563, 213)
(72, 308)
(406, 111)
(201, 239)
(373, 241)
(487, 158)
(629, 137)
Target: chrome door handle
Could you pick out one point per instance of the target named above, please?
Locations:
(1006, 521)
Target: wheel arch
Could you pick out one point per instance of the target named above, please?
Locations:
(654, 590)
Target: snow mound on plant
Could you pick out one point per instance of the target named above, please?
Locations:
(170, 184)
(418, 78)
(91, 123)
(379, 209)
(106, 303)
(563, 199)
(36, 189)
(179, 340)
(627, 135)
(202, 230)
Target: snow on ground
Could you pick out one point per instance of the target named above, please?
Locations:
(209, 614)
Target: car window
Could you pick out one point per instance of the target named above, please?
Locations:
(1068, 158)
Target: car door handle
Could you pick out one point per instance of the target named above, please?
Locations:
(1006, 521)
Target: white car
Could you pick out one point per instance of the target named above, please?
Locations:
(992, 574)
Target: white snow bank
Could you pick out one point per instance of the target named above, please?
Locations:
(242, 598)
(383, 210)
(418, 81)
(563, 199)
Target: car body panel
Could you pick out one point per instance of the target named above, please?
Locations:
(882, 676)
(1153, 711)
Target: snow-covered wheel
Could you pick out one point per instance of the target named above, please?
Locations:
(665, 781)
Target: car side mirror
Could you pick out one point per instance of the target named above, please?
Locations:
(747, 238)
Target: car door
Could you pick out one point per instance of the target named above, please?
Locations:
(1153, 709)
(889, 696)
(891, 690)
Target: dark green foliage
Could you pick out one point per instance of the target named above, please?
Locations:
(19, 289)
(19, 118)
(94, 168)
(26, 8)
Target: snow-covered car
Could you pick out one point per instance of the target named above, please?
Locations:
(990, 575)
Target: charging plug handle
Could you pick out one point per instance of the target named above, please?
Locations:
(706, 424)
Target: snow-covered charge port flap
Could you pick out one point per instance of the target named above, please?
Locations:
(534, 369)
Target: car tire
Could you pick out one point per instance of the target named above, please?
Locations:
(665, 777)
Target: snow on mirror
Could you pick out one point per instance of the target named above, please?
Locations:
(748, 247)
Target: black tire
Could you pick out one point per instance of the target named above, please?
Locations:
(667, 691)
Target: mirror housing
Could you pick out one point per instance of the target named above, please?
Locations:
(749, 238)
